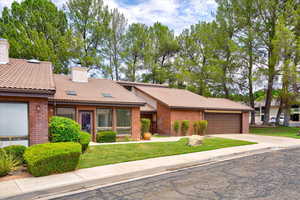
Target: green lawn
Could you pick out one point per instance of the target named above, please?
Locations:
(277, 131)
(117, 153)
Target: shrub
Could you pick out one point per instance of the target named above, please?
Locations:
(185, 125)
(63, 129)
(16, 151)
(84, 140)
(8, 162)
(202, 126)
(106, 136)
(50, 158)
(176, 126)
(196, 127)
(145, 125)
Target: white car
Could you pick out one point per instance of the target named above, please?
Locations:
(273, 120)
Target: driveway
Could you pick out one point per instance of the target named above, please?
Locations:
(271, 141)
(268, 176)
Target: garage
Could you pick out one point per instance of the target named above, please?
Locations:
(220, 123)
(13, 123)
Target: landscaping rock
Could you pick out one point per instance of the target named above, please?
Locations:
(195, 140)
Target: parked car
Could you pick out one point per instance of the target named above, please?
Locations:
(273, 120)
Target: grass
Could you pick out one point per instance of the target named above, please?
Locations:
(277, 131)
(117, 153)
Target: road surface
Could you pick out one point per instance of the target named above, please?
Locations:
(268, 176)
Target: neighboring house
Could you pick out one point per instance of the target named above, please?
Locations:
(260, 109)
(30, 94)
(165, 105)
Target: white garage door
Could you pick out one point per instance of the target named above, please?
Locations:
(13, 124)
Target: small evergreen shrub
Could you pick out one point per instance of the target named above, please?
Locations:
(51, 158)
(8, 163)
(106, 136)
(84, 140)
(16, 151)
(202, 126)
(63, 129)
(145, 125)
(185, 125)
(176, 126)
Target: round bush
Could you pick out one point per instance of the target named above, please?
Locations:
(106, 136)
(84, 140)
(51, 158)
(63, 129)
(16, 151)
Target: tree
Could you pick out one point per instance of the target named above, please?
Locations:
(134, 50)
(114, 43)
(160, 48)
(246, 15)
(89, 20)
(36, 29)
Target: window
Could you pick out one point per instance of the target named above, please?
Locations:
(123, 121)
(71, 92)
(66, 112)
(104, 119)
(107, 95)
(13, 124)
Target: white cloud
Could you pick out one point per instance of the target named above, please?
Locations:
(177, 14)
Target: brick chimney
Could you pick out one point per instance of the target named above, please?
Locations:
(79, 74)
(4, 48)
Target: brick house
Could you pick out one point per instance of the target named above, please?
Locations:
(30, 94)
(165, 105)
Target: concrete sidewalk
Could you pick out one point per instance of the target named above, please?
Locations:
(31, 187)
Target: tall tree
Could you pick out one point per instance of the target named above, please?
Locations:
(134, 50)
(36, 29)
(89, 20)
(114, 42)
(160, 48)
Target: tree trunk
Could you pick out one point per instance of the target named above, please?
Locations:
(286, 121)
(279, 112)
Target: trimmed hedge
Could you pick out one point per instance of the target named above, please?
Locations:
(84, 140)
(51, 158)
(16, 151)
(63, 129)
(106, 136)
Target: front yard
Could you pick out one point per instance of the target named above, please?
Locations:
(117, 153)
(282, 131)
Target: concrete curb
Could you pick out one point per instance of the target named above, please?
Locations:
(132, 175)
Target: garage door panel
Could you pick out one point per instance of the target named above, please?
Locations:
(220, 123)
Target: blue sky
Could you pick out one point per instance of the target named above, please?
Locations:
(177, 14)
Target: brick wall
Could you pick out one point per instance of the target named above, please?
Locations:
(191, 115)
(135, 124)
(245, 122)
(38, 121)
(163, 119)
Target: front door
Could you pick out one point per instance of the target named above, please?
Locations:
(86, 121)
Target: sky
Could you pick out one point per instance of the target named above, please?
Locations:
(177, 14)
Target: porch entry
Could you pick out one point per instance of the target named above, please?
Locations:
(86, 121)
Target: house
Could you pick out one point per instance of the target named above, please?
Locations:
(166, 105)
(260, 109)
(30, 94)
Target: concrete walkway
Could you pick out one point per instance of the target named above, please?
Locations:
(153, 139)
(31, 187)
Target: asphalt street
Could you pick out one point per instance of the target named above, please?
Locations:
(274, 176)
